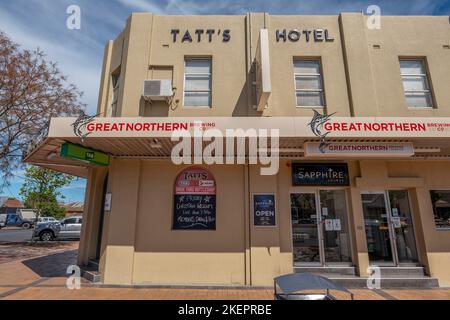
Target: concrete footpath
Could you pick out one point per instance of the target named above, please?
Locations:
(39, 273)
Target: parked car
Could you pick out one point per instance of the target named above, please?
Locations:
(27, 214)
(3, 220)
(67, 228)
(47, 219)
(16, 220)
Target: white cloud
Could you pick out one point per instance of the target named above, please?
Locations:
(141, 5)
(79, 184)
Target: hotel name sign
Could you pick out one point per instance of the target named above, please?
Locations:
(359, 149)
(294, 35)
(281, 35)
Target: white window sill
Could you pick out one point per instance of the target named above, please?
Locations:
(197, 107)
(420, 108)
(442, 229)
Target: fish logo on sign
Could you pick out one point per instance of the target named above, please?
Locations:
(316, 125)
(79, 126)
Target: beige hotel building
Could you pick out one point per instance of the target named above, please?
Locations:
(364, 181)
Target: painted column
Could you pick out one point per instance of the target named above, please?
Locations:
(91, 215)
(119, 252)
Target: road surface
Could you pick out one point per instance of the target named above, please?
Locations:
(15, 235)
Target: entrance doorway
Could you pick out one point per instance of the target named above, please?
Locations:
(389, 228)
(319, 228)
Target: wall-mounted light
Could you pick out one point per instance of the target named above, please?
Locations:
(427, 150)
(52, 155)
(155, 144)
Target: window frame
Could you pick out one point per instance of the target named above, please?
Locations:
(67, 219)
(210, 75)
(424, 76)
(430, 191)
(318, 60)
(115, 84)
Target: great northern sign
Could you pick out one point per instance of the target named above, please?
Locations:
(334, 127)
(359, 149)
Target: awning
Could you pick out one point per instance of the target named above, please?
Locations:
(150, 138)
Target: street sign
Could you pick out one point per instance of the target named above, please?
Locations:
(73, 151)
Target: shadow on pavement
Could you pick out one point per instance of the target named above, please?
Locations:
(54, 265)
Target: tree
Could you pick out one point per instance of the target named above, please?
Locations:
(32, 90)
(40, 191)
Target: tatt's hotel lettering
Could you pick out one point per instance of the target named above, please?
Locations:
(294, 35)
(209, 34)
(200, 35)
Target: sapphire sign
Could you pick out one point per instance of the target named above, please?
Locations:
(264, 210)
(320, 174)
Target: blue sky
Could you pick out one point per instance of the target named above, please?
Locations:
(79, 53)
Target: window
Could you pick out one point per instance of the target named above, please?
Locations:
(416, 84)
(308, 83)
(197, 83)
(12, 219)
(70, 221)
(441, 208)
(112, 111)
(11, 210)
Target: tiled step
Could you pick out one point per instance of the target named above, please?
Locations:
(341, 270)
(402, 272)
(391, 277)
(358, 282)
(93, 264)
(90, 272)
(92, 276)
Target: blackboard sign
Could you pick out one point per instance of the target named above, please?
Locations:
(195, 212)
(194, 200)
(264, 210)
(320, 174)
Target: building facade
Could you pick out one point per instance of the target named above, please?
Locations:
(74, 209)
(364, 180)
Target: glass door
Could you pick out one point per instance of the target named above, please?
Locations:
(334, 224)
(305, 233)
(319, 227)
(389, 228)
(379, 244)
(402, 226)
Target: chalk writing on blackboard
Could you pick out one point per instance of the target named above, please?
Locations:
(194, 201)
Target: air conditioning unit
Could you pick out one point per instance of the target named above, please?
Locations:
(157, 90)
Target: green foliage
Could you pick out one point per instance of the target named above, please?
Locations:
(40, 191)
